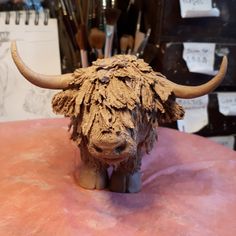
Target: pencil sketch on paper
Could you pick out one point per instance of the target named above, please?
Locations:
(20, 100)
(36, 100)
(3, 87)
(4, 75)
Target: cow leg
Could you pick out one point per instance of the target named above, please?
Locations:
(91, 178)
(125, 183)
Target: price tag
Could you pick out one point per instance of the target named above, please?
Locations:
(227, 141)
(198, 8)
(200, 57)
(196, 115)
(227, 103)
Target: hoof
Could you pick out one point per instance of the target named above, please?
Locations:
(125, 183)
(91, 178)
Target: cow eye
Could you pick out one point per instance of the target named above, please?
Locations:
(105, 132)
(98, 149)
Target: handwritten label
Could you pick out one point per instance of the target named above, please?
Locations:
(196, 115)
(198, 8)
(227, 141)
(227, 103)
(200, 57)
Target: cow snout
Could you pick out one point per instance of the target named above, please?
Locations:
(110, 149)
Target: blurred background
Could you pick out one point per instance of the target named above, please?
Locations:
(183, 39)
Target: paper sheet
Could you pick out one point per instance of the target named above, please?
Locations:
(200, 57)
(198, 8)
(38, 46)
(227, 103)
(227, 141)
(196, 114)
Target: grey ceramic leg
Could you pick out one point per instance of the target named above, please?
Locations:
(125, 183)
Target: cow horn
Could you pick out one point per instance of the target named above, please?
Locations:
(40, 80)
(182, 91)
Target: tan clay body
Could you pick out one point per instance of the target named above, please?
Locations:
(115, 106)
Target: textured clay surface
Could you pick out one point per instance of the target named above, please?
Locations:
(107, 94)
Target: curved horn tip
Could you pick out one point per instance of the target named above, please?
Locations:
(187, 92)
(225, 59)
(13, 48)
(224, 62)
(223, 67)
(40, 80)
(13, 43)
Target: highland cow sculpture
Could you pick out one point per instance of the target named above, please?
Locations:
(115, 106)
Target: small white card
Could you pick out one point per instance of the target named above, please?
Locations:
(227, 103)
(198, 8)
(196, 114)
(200, 57)
(227, 141)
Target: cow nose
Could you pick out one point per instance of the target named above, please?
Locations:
(116, 149)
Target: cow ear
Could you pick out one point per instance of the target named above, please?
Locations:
(169, 109)
(173, 112)
(64, 102)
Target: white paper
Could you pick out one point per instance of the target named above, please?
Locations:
(227, 103)
(196, 114)
(198, 8)
(227, 141)
(39, 48)
(200, 57)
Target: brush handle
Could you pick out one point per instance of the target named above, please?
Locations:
(109, 40)
(143, 45)
(139, 37)
(100, 53)
(84, 58)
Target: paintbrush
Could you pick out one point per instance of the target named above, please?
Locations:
(96, 40)
(124, 43)
(131, 44)
(81, 40)
(111, 16)
(70, 29)
(96, 36)
(143, 45)
(139, 36)
(131, 2)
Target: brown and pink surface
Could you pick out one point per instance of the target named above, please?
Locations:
(189, 187)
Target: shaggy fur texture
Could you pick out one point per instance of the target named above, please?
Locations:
(113, 94)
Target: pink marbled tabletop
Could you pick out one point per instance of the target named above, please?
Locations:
(189, 187)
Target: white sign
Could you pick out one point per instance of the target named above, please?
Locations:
(227, 141)
(198, 8)
(196, 115)
(227, 103)
(200, 57)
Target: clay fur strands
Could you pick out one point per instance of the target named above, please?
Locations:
(115, 106)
